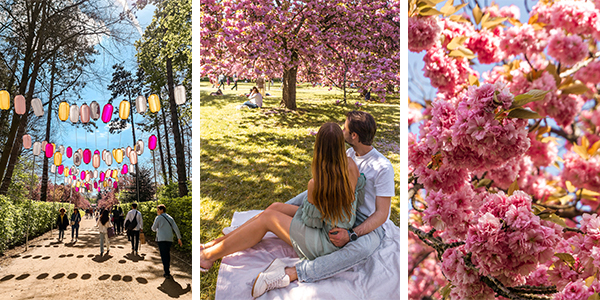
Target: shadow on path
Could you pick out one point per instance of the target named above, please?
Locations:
(173, 289)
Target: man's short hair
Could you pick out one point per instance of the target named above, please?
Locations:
(134, 205)
(363, 124)
(162, 207)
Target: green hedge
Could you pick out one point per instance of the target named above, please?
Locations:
(13, 219)
(178, 208)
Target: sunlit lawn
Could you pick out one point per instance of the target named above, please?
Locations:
(252, 158)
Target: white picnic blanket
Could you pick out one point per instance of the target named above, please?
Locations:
(377, 278)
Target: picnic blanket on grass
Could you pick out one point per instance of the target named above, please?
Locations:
(377, 278)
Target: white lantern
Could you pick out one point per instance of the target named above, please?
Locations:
(140, 104)
(179, 94)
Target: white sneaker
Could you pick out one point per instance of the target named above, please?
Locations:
(273, 277)
(230, 229)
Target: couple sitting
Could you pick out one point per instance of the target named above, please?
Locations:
(336, 223)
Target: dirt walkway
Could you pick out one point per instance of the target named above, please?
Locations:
(62, 270)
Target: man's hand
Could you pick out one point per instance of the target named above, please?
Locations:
(339, 237)
(180, 243)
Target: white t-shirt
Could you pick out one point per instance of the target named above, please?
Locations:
(256, 98)
(380, 178)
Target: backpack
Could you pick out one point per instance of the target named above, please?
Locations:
(130, 225)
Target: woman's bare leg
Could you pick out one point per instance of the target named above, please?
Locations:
(287, 209)
(248, 236)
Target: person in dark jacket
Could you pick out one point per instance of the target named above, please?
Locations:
(62, 222)
(75, 219)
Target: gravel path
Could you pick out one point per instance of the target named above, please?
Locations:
(65, 270)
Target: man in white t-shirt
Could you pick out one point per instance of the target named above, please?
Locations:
(365, 237)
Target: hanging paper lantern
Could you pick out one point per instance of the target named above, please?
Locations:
(82, 175)
(95, 174)
(77, 159)
(88, 176)
(118, 155)
(115, 185)
(37, 148)
(179, 94)
(61, 169)
(87, 156)
(96, 160)
(49, 150)
(4, 100)
(63, 111)
(124, 109)
(84, 111)
(20, 105)
(152, 142)
(139, 147)
(115, 173)
(141, 104)
(133, 157)
(26, 141)
(95, 110)
(61, 149)
(80, 152)
(107, 112)
(74, 113)
(127, 151)
(69, 152)
(95, 184)
(44, 143)
(154, 103)
(109, 159)
(77, 189)
(53, 147)
(53, 169)
(38, 109)
(57, 158)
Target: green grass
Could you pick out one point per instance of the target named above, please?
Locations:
(252, 158)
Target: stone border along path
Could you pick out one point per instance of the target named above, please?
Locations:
(65, 270)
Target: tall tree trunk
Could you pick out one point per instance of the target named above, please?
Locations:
(162, 156)
(289, 85)
(187, 174)
(168, 146)
(179, 155)
(137, 168)
(44, 188)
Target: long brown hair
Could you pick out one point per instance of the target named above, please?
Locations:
(332, 193)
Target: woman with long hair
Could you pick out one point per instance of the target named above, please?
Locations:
(330, 203)
(103, 225)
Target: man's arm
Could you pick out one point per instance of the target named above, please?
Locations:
(382, 207)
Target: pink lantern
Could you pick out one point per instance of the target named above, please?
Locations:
(95, 184)
(152, 142)
(20, 104)
(27, 141)
(127, 151)
(84, 111)
(82, 175)
(44, 143)
(107, 112)
(115, 185)
(69, 152)
(61, 169)
(87, 156)
(124, 170)
(77, 189)
(102, 176)
(74, 177)
(49, 150)
(96, 160)
(97, 152)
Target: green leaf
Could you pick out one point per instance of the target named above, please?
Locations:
(554, 219)
(484, 182)
(522, 113)
(513, 187)
(577, 89)
(530, 96)
(445, 291)
(566, 257)
(429, 11)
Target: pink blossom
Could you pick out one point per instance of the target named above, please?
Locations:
(423, 32)
(567, 49)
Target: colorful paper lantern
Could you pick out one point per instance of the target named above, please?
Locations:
(133, 157)
(77, 158)
(87, 156)
(95, 110)
(63, 111)
(115, 174)
(69, 152)
(74, 113)
(20, 105)
(4, 100)
(77, 188)
(108, 160)
(82, 175)
(141, 104)
(36, 105)
(107, 112)
(49, 150)
(57, 158)
(102, 176)
(124, 108)
(118, 155)
(139, 147)
(152, 142)
(95, 184)
(61, 169)
(95, 174)
(53, 169)
(84, 112)
(26, 141)
(127, 151)
(115, 185)
(37, 148)
(154, 103)
(44, 143)
(96, 160)
(179, 94)
(88, 176)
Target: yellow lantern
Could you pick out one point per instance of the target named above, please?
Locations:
(4, 100)
(124, 108)
(57, 158)
(63, 111)
(154, 103)
(119, 155)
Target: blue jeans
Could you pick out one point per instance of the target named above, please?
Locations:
(353, 253)
(61, 234)
(250, 104)
(75, 231)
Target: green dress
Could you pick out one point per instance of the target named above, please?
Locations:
(309, 234)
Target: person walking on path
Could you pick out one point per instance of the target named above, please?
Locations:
(164, 225)
(235, 80)
(134, 224)
(103, 225)
(75, 220)
(119, 220)
(62, 222)
(221, 81)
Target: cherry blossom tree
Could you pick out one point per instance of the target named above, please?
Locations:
(334, 43)
(505, 168)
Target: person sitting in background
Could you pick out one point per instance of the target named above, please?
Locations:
(255, 100)
(217, 93)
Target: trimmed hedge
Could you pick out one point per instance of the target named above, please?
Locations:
(178, 208)
(13, 219)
